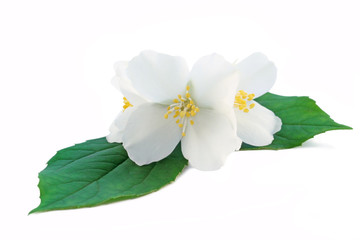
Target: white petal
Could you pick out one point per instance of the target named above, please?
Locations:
(213, 82)
(158, 77)
(209, 141)
(148, 136)
(115, 134)
(257, 126)
(257, 74)
(118, 126)
(123, 83)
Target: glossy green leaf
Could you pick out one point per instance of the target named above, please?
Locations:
(97, 172)
(302, 119)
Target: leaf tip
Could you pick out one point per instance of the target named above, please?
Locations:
(347, 127)
(32, 211)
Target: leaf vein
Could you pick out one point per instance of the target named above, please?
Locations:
(86, 185)
(89, 155)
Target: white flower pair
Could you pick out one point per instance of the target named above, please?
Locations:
(209, 109)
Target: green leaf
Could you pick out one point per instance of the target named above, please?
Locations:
(97, 172)
(301, 120)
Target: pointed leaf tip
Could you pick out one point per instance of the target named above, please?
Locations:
(96, 172)
(301, 120)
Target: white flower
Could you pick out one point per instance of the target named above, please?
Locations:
(255, 123)
(165, 103)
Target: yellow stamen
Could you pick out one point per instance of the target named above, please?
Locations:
(182, 114)
(251, 97)
(184, 109)
(126, 104)
(243, 101)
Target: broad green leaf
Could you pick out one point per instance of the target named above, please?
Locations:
(301, 120)
(97, 172)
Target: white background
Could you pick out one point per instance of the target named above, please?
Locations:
(56, 61)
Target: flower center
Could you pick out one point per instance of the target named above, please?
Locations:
(184, 109)
(243, 101)
(126, 104)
